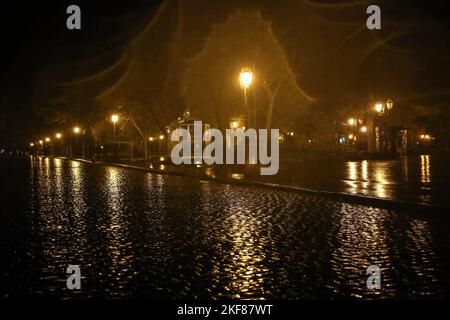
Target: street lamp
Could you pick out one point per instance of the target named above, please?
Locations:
(77, 131)
(114, 119)
(246, 78)
(351, 121)
(363, 129)
(58, 135)
(389, 104)
(47, 139)
(41, 142)
(379, 107)
(31, 144)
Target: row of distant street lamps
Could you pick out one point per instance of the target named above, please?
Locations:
(76, 130)
(58, 136)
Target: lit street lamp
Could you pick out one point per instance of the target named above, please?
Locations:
(245, 78)
(383, 110)
(77, 131)
(114, 119)
(58, 135)
(351, 122)
(379, 107)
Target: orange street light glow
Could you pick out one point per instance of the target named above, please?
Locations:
(378, 107)
(246, 77)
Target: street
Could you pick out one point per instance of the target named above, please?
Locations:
(141, 235)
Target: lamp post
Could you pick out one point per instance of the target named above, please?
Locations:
(384, 110)
(58, 136)
(245, 78)
(76, 130)
(114, 119)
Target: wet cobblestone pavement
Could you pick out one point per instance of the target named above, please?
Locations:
(142, 235)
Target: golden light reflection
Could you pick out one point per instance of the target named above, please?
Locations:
(425, 169)
(360, 240)
(238, 176)
(116, 229)
(77, 190)
(246, 258)
(58, 177)
(352, 176)
(210, 172)
(380, 180)
(365, 174)
(244, 252)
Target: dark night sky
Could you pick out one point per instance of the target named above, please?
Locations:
(408, 59)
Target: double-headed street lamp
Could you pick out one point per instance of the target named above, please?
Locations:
(245, 79)
(383, 109)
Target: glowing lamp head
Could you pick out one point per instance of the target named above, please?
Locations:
(47, 139)
(31, 144)
(41, 142)
(114, 118)
(151, 138)
(351, 121)
(378, 107)
(58, 135)
(389, 104)
(245, 78)
(363, 129)
(161, 137)
(76, 130)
